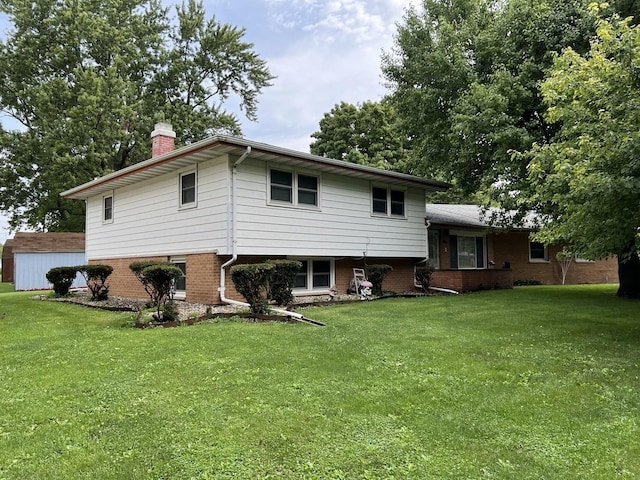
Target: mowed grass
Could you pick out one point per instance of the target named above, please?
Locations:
(537, 382)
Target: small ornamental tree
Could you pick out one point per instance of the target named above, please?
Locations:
(564, 258)
(62, 278)
(423, 275)
(96, 277)
(376, 275)
(160, 279)
(282, 279)
(250, 281)
(137, 268)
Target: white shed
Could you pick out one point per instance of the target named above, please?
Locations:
(34, 254)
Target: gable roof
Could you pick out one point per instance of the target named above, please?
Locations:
(225, 144)
(457, 215)
(48, 242)
(471, 216)
(7, 249)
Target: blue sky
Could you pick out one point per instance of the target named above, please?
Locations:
(321, 51)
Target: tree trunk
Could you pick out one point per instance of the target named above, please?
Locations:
(629, 273)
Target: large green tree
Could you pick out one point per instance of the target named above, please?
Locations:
(86, 81)
(585, 183)
(464, 76)
(366, 134)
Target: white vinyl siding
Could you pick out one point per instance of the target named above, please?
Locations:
(342, 225)
(151, 222)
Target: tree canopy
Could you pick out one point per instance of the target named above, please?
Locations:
(585, 183)
(86, 81)
(366, 134)
(464, 77)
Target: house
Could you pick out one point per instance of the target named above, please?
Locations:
(227, 200)
(470, 255)
(34, 254)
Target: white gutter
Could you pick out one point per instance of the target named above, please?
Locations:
(234, 242)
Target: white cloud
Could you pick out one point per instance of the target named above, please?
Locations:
(333, 57)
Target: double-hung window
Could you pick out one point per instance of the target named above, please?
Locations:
(107, 209)
(315, 274)
(538, 252)
(293, 188)
(188, 189)
(467, 251)
(386, 201)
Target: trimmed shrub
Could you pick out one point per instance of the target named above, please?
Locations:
(159, 279)
(170, 312)
(282, 279)
(62, 278)
(376, 275)
(137, 268)
(96, 277)
(423, 275)
(250, 281)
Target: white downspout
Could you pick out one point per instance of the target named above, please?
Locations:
(234, 241)
(234, 232)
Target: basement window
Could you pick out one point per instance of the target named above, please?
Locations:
(180, 286)
(315, 274)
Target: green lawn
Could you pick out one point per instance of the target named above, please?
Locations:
(537, 382)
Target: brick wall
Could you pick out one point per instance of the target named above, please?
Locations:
(122, 282)
(514, 248)
(470, 280)
(399, 280)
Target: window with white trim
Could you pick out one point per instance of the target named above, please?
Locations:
(107, 209)
(385, 201)
(467, 251)
(180, 286)
(188, 189)
(315, 274)
(293, 188)
(538, 252)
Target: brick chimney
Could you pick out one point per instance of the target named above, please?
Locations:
(162, 139)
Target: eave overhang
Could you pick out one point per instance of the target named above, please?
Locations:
(221, 145)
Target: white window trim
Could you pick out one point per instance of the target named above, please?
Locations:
(310, 289)
(388, 213)
(194, 204)
(538, 260)
(102, 209)
(294, 187)
(179, 294)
